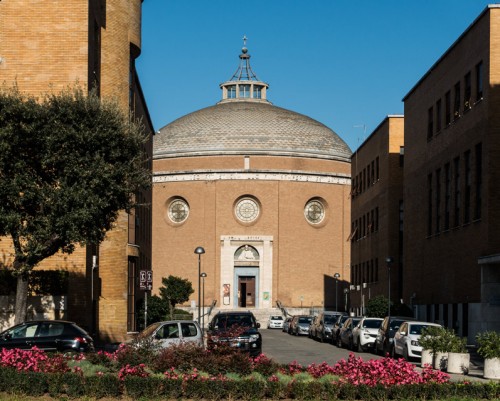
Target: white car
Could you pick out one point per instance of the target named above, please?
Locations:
(406, 339)
(275, 322)
(165, 334)
(365, 333)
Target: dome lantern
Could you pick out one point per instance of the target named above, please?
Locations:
(244, 84)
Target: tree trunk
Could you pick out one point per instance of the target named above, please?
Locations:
(21, 299)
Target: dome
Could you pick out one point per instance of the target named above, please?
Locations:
(248, 127)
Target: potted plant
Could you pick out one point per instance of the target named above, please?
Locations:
(458, 356)
(430, 342)
(489, 349)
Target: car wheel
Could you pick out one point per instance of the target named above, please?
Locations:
(360, 348)
(339, 342)
(321, 338)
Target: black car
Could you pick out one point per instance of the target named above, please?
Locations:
(47, 335)
(336, 328)
(237, 329)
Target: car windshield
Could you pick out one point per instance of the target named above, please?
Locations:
(230, 321)
(417, 328)
(148, 331)
(305, 319)
(276, 318)
(372, 324)
(343, 319)
(330, 319)
(395, 324)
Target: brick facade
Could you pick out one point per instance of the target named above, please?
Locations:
(48, 46)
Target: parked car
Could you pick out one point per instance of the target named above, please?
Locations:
(47, 335)
(286, 324)
(365, 333)
(321, 326)
(300, 325)
(345, 333)
(275, 322)
(165, 334)
(237, 329)
(406, 339)
(336, 327)
(385, 334)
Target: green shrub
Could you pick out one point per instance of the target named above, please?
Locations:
(489, 344)
(139, 387)
(101, 386)
(70, 384)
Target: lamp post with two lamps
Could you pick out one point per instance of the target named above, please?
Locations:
(199, 251)
(336, 276)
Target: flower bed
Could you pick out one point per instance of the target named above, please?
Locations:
(226, 374)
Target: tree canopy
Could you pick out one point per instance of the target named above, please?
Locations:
(175, 290)
(69, 163)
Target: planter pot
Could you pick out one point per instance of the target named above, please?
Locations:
(440, 360)
(492, 368)
(426, 358)
(458, 363)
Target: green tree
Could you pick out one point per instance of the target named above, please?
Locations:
(69, 163)
(377, 307)
(158, 311)
(175, 290)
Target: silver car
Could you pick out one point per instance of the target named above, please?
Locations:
(300, 325)
(165, 334)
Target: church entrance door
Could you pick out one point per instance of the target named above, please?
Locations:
(246, 291)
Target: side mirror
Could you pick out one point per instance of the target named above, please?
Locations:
(258, 325)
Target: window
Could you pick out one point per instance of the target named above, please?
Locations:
(438, 115)
(456, 103)
(373, 172)
(479, 81)
(468, 184)
(447, 196)
(467, 92)
(376, 219)
(479, 181)
(430, 122)
(377, 176)
(429, 204)
(456, 168)
(257, 92)
(438, 200)
(231, 92)
(447, 108)
(244, 91)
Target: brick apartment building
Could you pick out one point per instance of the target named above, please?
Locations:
(47, 46)
(376, 213)
(451, 176)
(446, 260)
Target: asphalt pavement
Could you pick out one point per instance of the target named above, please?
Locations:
(285, 348)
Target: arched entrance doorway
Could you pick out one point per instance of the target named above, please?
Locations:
(246, 268)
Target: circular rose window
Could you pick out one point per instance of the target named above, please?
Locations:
(314, 212)
(247, 210)
(178, 210)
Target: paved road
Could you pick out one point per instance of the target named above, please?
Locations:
(285, 348)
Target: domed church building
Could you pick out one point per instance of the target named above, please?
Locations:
(264, 191)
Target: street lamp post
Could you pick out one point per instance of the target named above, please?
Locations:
(203, 275)
(199, 251)
(336, 276)
(389, 261)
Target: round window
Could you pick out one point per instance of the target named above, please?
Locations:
(247, 210)
(314, 212)
(178, 210)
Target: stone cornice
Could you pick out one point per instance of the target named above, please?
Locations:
(320, 178)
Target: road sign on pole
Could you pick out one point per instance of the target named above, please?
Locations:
(146, 280)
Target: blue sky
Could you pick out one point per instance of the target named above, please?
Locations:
(344, 63)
